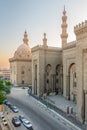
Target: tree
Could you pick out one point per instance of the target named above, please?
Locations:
(4, 90)
(7, 83)
(2, 97)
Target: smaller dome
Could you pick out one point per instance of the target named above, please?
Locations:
(23, 51)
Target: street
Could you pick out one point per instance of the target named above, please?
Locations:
(40, 116)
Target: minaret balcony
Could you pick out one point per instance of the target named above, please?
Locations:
(64, 35)
(64, 25)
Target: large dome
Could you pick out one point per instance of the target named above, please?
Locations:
(23, 51)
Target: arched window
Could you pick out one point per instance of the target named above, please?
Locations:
(22, 72)
(57, 80)
(47, 81)
(57, 70)
(22, 81)
(22, 69)
(48, 69)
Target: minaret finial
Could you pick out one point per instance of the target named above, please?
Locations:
(45, 40)
(64, 7)
(25, 39)
(64, 11)
(64, 34)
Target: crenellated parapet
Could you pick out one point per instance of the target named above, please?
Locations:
(81, 30)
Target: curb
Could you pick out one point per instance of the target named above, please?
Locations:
(69, 118)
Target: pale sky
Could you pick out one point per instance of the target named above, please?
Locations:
(36, 17)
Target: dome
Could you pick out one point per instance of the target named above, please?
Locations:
(23, 51)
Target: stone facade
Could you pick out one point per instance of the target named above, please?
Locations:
(44, 68)
(81, 69)
(55, 70)
(64, 70)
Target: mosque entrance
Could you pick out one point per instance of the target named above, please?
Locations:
(72, 91)
(59, 79)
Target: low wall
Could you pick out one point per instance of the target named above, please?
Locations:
(1, 128)
(1, 108)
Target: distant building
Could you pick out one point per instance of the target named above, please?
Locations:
(5, 74)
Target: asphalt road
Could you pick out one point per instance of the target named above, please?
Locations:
(39, 116)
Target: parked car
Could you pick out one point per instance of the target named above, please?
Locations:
(14, 109)
(10, 106)
(16, 121)
(6, 102)
(27, 124)
(22, 118)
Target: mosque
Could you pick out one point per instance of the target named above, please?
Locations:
(55, 70)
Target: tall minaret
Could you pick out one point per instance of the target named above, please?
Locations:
(64, 34)
(45, 40)
(25, 39)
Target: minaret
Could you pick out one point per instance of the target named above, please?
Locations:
(25, 39)
(45, 40)
(64, 34)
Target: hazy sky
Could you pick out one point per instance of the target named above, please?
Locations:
(36, 17)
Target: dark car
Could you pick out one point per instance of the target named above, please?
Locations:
(16, 121)
(10, 106)
(22, 118)
(6, 102)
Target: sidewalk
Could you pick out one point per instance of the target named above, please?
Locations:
(59, 104)
(62, 103)
(6, 117)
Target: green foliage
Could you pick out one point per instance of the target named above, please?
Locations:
(4, 89)
(7, 83)
(5, 86)
(1, 81)
(0, 77)
(2, 97)
(1, 85)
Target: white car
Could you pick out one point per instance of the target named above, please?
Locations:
(14, 109)
(22, 118)
(27, 124)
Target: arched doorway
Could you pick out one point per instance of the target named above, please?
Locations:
(59, 81)
(48, 71)
(72, 82)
